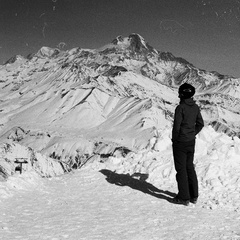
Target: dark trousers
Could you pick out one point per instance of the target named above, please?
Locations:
(183, 154)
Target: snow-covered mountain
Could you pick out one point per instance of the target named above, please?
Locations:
(82, 102)
(112, 108)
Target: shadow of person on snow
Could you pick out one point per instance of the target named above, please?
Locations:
(137, 184)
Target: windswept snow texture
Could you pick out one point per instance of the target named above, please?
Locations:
(89, 205)
(112, 108)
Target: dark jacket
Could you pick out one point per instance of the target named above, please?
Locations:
(188, 121)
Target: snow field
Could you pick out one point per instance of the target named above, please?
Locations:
(128, 197)
(86, 205)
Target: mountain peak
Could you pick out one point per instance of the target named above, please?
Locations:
(135, 42)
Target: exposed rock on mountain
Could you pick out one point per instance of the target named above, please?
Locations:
(14, 59)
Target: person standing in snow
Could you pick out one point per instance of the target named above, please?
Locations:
(188, 122)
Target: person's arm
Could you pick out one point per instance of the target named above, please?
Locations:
(199, 123)
(176, 123)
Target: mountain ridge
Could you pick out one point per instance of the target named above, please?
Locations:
(124, 93)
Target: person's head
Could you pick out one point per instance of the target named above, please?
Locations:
(186, 91)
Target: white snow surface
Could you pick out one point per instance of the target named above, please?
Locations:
(83, 205)
(128, 197)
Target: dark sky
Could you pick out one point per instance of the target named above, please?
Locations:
(204, 32)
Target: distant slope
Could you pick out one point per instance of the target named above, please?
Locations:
(123, 93)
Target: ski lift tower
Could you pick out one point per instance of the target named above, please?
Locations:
(20, 162)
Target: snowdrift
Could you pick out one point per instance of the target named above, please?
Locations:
(217, 163)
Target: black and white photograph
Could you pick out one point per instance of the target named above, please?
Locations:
(119, 119)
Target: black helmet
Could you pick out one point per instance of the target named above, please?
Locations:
(186, 91)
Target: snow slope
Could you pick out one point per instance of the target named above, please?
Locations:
(216, 160)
